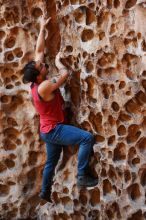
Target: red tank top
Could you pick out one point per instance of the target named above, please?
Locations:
(51, 112)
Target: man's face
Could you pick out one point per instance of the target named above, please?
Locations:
(43, 69)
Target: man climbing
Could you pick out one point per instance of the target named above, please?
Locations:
(53, 130)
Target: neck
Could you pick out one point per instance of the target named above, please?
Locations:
(39, 81)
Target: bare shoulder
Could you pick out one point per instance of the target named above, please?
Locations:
(45, 85)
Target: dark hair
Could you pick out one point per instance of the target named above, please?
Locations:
(30, 72)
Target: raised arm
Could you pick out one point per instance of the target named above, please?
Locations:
(40, 46)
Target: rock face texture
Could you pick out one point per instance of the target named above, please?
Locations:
(104, 43)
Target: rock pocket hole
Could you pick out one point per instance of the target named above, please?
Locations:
(134, 191)
(115, 106)
(107, 186)
(94, 197)
(36, 12)
(9, 42)
(87, 35)
(130, 3)
(120, 152)
(121, 130)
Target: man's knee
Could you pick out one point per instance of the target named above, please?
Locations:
(90, 137)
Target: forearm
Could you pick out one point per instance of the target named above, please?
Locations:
(53, 86)
(62, 78)
(40, 46)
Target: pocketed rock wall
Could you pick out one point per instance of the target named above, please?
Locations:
(104, 43)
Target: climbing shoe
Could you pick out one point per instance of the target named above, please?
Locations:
(46, 196)
(86, 181)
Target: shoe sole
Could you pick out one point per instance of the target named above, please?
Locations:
(48, 200)
(86, 186)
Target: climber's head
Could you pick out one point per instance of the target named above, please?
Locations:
(35, 71)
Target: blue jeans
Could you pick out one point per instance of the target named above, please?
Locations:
(61, 136)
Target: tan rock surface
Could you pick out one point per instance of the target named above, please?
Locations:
(104, 42)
